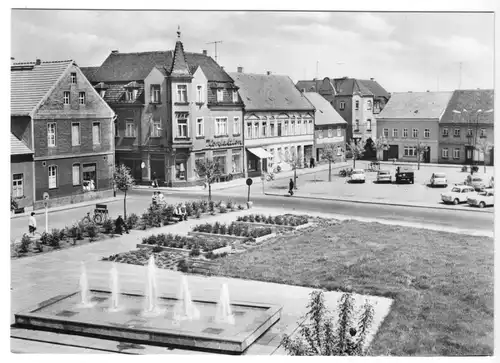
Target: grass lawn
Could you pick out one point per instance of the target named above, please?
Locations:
(441, 283)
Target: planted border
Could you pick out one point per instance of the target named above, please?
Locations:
(282, 220)
(235, 231)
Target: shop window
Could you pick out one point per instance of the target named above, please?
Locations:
(236, 163)
(221, 159)
(180, 170)
(89, 177)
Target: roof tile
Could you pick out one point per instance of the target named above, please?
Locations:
(416, 105)
(17, 147)
(325, 113)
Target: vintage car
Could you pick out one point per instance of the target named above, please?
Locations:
(458, 194)
(482, 199)
(357, 176)
(439, 179)
(384, 176)
(478, 181)
(405, 174)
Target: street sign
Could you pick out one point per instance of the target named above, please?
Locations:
(249, 181)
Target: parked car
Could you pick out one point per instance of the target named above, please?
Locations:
(384, 176)
(479, 182)
(357, 175)
(458, 194)
(439, 179)
(482, 199)
(405, 174)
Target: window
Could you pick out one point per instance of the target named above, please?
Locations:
(236, 163)
(66, 98)
(129, 96)
(368, 125)
(292, 127)
(96, 133)
(272, 132)
(311, 127)
(200, 127)
(73, 78)
(264, 129)
(199, 94)
(221, 126)
(414, 133)
(182, 93)
(156, 128)
(221, 159)
(89, 177)
(444, 153)
(342, 105)
(320, 134)
(339, 151)
(330, 132)
(445, 132)
(52, 176)
(394, 132)
(482, 133)
(456, 153)
(456, 132)
(298, 130)
(76, 174)
(279, 128)
(356, 125)
(249, 130)
(155, 93)
(386, 132)
(369, 105)
(469, 132)
(129, 128)
(51, 134)
(357, 105)
(81, 98)
(235, 96)
(409, 151)
(256, 132)
(304, 127)
(285, 128)
(180, 170)
(427, 133)
(339, 131)
(182, 125)
(17, 185)
(405, 133)
(75, 134)
(220, 94)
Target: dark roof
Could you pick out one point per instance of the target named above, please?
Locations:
(325, 113)
(17, 147)
(309, 86)
(89, 72)
(270, 92)
(121, 67)
(375, 88)
(180, 67)
(472, 101)
(416, 105)
(116, 93)
(350, 86)
(31, 82)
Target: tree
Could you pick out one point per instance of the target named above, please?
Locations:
(318, 336)
(208, 169)
(123, 181)
(381, 144)
(420, 149)
(294, 159)
(357, 149)
(370, 150)
(328, 153)
(483, 146)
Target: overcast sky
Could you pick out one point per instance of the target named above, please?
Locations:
(402, 51)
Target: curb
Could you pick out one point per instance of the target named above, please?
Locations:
(423, 206)
(67, 207)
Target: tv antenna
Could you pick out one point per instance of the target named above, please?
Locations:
(215, 43)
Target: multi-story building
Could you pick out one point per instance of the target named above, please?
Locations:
(58, 115)
(329, 127)
(173, 107)
(277, 119)
(409, 118)
(22, 170)
(357, 101)
(468, 120)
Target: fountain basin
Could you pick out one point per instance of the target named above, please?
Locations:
(62, 314)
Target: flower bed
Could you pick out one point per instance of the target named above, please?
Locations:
(234, 229)
(279, 220)
(183, 243)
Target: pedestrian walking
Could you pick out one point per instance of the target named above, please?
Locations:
(155, 180)
(290, 187)
(32, 223)
(311, 161)
(120, 225)
(154, 199)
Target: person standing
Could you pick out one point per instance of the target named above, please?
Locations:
(290, 187)
(311, 161)
(32, 223)
(120, 225)
(155, 181)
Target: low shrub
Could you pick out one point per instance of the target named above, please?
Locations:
(24, 246)
(464, 168)
(240, 207)
(189, 209)
(108, 225)
(198, 213)
(157, 249)
(212, 256)
(195, 252)
(230, 204)
(54, 240)
(91, 230)
(132, 221)
(211, 206)
(222, 208)
(183, 265)
(218, 203)
(45, 238)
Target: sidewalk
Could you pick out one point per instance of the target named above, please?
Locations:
(423, 165)
(69, 206)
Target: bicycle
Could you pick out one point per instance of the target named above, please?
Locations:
(99, 216)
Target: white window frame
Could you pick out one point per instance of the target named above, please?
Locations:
(221, 126)
(249, 129)
(263, 128)
(456, 132)
(182, 132)
(356, 125)
(330, 132)
(342, 105)
(82, 98)
(405, 133)
(446, 132)
(220, 94)
(76, 177)
(96, 140)
(456, 153)
(66, 97)
(51, 134)
(129, 128)
(256, 129)
(320, 134)
(368, 124)
(356, 105)
(52, 173)
(76, 138)
(156, 132)
(395, 133)
(482, 132)
(385, 133)
(414, 133)
(155, 93)
(409, 151)
(368, 105)
(199, 93)
(181, 93)
(236, 126)
(200, 127)
(73, 77)
(444, 153)
(235, 96)
(18, 185)
(427, 133)
(311, 127)
(470, 132)
(339, 132)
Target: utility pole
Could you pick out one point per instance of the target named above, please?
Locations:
(215, 43)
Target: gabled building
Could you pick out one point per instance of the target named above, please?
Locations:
(59, 116)
(173, 107)
(277, 119)
(468, 120)
(357, 101)
(329, 127)
(409, 118)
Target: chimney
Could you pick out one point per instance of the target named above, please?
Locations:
(240, 69)
(204, 52)
(114, 51)
(38, 62)
(222, 67)
(372, 79)
(268, 73)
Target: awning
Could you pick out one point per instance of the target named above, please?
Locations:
(260, 153)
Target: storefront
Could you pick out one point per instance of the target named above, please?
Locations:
(257, 159)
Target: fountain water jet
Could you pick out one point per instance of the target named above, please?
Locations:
(185, 308)
(115, 290)
(84, 289)
(151, 308)
(224, 313)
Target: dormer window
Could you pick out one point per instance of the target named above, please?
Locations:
(134, 93)
(155, 93)
(129, 95)
(102, 93)
(220, 95)
(101, 88)
(73, 78)
(131, 91)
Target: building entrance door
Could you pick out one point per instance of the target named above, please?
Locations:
(427, 155)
